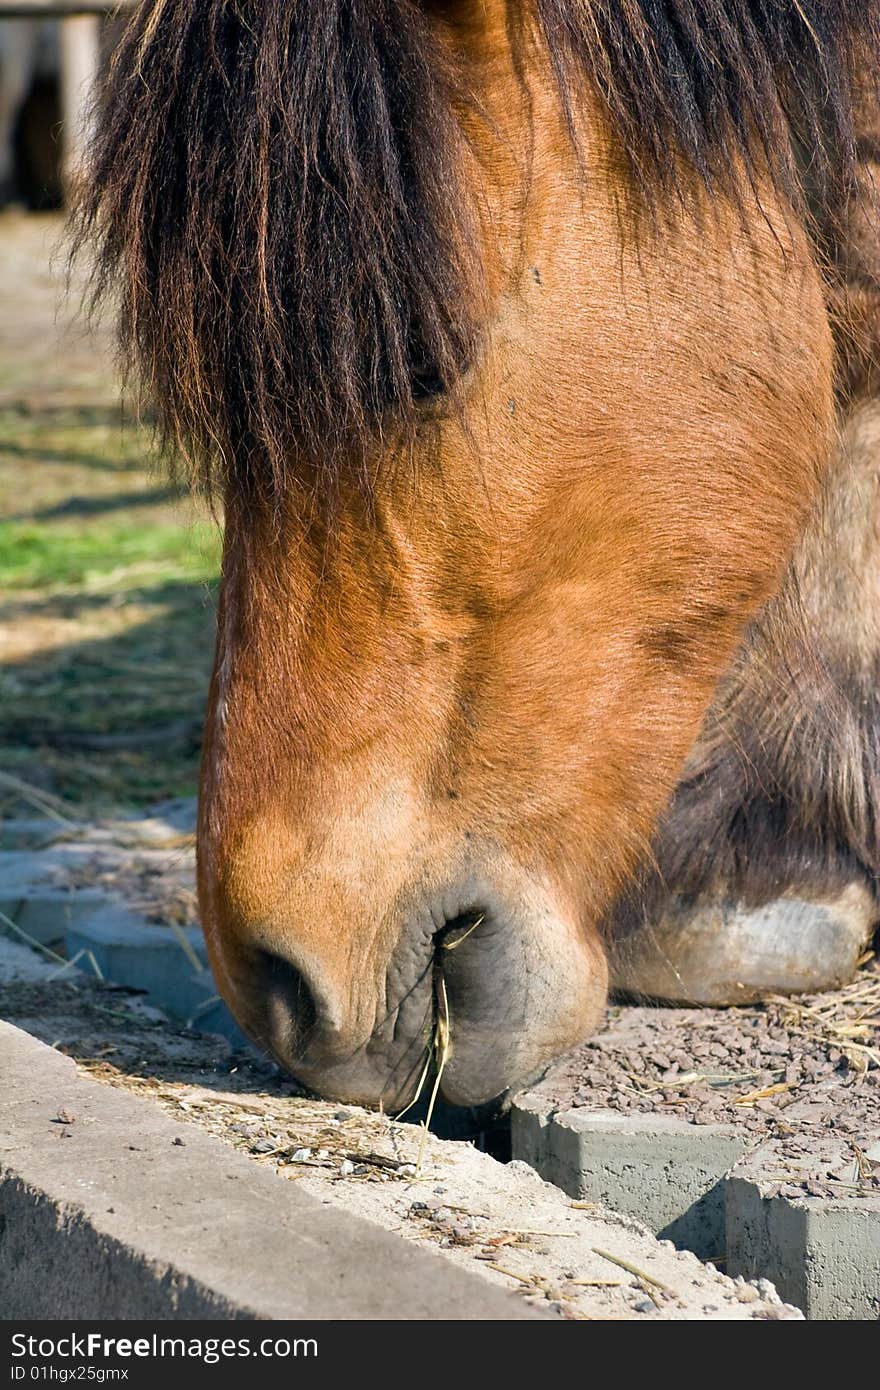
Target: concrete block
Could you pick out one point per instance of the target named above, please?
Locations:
(35, 895)
(662, 1171)
(95, 926)
(122, 1212)
(129, 951)
(823, 1256)
(749, 1135)
(20, 834)
(48, 914)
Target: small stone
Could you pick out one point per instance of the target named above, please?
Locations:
(346, 1168)
(301, 1156)
(767, 1291)
(178, 1142)
(747, 1294)
(407, 1170)
(787, 1189)
(66, 1117)
(264, 1146)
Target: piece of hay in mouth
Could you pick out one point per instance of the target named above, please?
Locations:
(438, 1048)
(441, 1043)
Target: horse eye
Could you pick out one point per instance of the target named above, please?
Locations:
(426, 385)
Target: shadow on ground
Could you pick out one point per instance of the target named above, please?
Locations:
(100, 506)
(113, 719)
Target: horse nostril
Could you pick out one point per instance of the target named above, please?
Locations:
(289, 1003)
(454, 932)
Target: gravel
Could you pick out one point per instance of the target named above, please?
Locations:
(804, 1072)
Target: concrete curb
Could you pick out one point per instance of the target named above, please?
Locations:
(130, 951)
(47, 916)
(124, 1213)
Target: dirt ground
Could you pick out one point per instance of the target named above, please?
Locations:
(47, 359)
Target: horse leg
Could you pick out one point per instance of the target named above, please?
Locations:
(18, 47)
(766, 869)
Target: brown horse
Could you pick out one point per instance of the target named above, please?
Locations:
(530, 349)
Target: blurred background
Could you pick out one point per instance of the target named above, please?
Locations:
(107, 576)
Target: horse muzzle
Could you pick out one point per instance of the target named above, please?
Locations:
(483, 990)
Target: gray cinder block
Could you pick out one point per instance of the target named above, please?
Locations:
(823, 1256)
(129, 951)
(662, 1171)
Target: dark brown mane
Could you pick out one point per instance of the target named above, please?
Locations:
(275, 203)
(762, 85)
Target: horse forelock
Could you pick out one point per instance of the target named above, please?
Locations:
(276, 201)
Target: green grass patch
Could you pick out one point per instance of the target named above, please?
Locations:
(53, 555)
(107, 589)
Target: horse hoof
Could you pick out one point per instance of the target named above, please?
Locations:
(728, 953)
